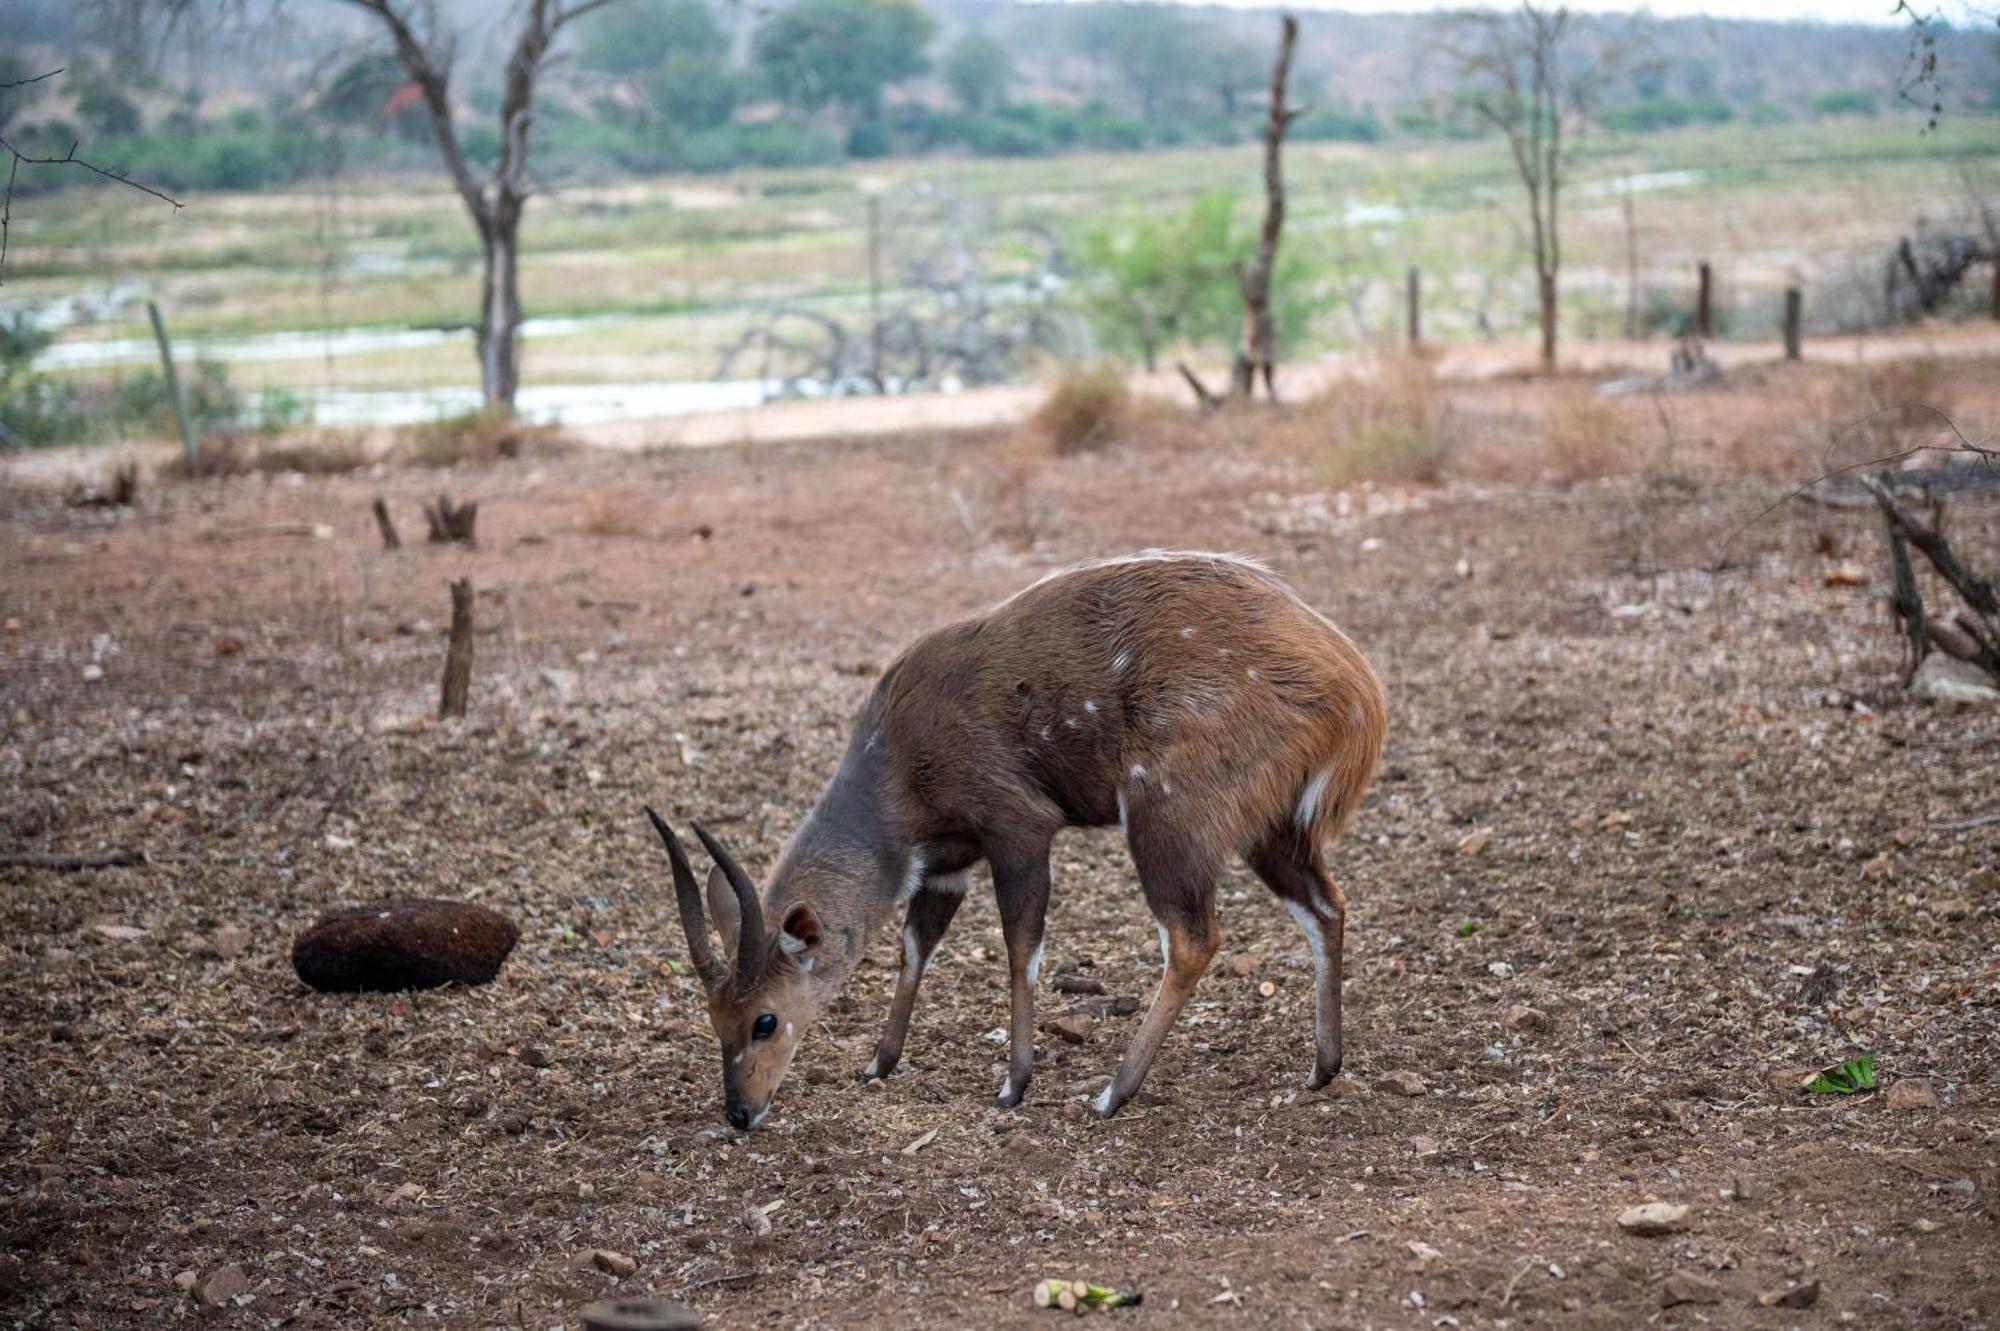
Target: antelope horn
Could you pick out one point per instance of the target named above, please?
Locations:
(749, 943)
(694, 920)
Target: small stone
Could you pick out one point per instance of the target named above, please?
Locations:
(1798, 1296)
(1689, 1287)
(1401, 1083)
(1521, 1017)
(229, 941)
(1426, 1147)
(1475, 841)
(1746, 1189)
(1267, 989)
(1653, 1219)
(1423, 1252)
(535, 1058)
(223, 1286)
(92, 673)
(1243, 965)
(1951, 908)
(118, 933)
(613, 1263)
(1985, 880)
(514, 1124)
(1882, 866)
(1910, 1094)
(1926, 1226)
(757, 1223)
(1075, 1028)
(1946, 679)
(186, 1281)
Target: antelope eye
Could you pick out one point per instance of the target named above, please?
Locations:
(766, 1026)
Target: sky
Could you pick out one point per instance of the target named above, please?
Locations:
(1825, 11)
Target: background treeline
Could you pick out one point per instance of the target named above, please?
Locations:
(651, 86)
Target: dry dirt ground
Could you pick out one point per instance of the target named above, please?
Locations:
(1723, 847)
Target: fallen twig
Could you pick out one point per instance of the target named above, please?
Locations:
(116, 859)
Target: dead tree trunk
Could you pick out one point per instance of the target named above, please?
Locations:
(1704, 302)
(1258, 353)
(458, 656)
(1983, 625)
(1794, 316)
(390, 540)
(1905, 599)
(1413, 297)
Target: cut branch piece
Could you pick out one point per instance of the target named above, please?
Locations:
(1205, 396)
(115, 859)
(458, 657)
(1978, 592)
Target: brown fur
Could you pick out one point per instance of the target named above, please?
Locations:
(1192, 697)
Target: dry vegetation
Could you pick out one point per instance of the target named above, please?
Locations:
(1650, 838)
(1084, 409)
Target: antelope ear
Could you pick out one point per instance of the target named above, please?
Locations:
(800, 936)
(724, 909)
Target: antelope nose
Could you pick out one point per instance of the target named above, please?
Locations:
(739, 1117)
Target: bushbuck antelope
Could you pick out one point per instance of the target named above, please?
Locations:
(1192, 699)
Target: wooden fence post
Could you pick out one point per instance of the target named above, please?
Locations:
(1414, 296)
(1793, 304)
(189, 450)
(1704, 302)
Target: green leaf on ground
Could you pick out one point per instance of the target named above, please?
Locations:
(1856, 1074)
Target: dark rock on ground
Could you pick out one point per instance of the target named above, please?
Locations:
(403, 943)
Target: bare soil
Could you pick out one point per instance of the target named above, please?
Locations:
(1724, 848)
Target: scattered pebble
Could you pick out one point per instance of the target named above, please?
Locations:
(1688, 1287)
(224, 1285)
(1910, 1094)
(1653, 1219)
(1475, 841)
(613, 1263)
(1521, 1017)
(1243, 965)
(1798, 1296)
(1074, 1029)
(1401, 1083)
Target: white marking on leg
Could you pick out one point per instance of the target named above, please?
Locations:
(1007, 1088)
(873, 1070)
(1035, 966)
(1309, 799)
(1104, 1101)
(1166, 946)
(950, 884)
(1308, 924)
(1121, 810)
(913, 961)
(913, 878)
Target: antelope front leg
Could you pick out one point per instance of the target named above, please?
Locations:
(1022, 886)
(929, 916)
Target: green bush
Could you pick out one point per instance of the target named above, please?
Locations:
(1850, 102)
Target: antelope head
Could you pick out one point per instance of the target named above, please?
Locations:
(761, 990)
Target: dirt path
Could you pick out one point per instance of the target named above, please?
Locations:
(1722, 848)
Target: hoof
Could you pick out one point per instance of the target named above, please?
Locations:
(1105, 1105)
(1012, 1095)
(875, 1070)
(1323, 1073)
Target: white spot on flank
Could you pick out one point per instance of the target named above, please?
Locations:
(1187, 632)
(1046, 734)
(1252, 673)
(1090, 705)
(1138, 772)
(1309, 799)
(1222, 651)
(1103, 1101)
(1070, 722)
(1118, 662)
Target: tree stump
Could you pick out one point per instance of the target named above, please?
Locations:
(451, 522)
(390, 540)
(458, 656)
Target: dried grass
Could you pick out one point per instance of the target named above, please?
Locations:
(613, 513)
(1084, 410)
(479, 436)
(1390, 421)
(1585, 436)
(313, 453)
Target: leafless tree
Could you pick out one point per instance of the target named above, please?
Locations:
(426, 43)
(1258, 353)
(19, 159)
(1535, 74)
